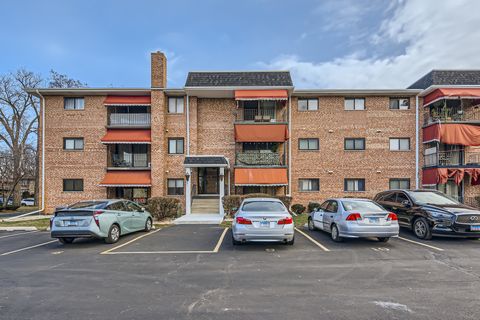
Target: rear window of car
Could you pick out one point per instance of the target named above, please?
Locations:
(263, 206)
(362, 206)
(88, 205)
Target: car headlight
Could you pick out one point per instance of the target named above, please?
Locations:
(442, 217)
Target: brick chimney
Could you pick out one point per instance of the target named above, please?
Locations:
(159, 70)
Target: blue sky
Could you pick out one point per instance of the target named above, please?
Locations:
(335, 43)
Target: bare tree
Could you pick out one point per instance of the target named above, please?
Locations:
(58, 80)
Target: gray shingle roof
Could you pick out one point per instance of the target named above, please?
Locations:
(239, 79)
(447, 77)
(205, 160)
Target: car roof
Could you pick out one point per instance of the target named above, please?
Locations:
(261, 200)
(349, 199)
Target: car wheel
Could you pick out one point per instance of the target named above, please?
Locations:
(422, 229)
(66, 240)
(383, 239)
(113, 234)
(291, 242)
(336, 234)
(311, 226)
(148, 225)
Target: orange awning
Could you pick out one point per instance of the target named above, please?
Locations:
(127, 100)
(261, 94)
(261, 132)
(453, 133)
(127, 179)
(451, 93)
(261, 177)
(127, 136)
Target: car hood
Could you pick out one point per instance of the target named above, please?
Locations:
(454, 209)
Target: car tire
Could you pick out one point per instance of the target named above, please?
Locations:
(311, 226)
(236, 242)
(383, 239)
(335, 234)
(113, 234)
(421, 229)
(148, 225)
(67, 240)
(291, 242)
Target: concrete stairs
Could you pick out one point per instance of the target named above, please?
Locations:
(205, 205)
(205, 210)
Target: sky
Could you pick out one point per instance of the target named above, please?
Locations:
(324, 43)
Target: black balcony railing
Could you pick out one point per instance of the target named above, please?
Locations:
(260, 159)
(452, 158)
(260, 115)
(135, 160)
(451, 114)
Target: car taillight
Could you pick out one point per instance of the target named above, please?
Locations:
(288, 220)
(241, 220)
(354, 217)
(95, 217)
(392, 216)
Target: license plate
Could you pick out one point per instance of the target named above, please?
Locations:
(474, 228)
(71, 223)
(264, 224)
(373, 220)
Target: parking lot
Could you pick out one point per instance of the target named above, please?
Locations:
(194, 272)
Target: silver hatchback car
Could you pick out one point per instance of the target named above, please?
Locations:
(263, 219)
(354, 218)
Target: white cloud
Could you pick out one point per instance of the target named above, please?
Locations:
(435, 35)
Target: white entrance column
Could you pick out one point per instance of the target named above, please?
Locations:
(221, 182)
(188, 191)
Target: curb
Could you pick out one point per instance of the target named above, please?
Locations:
(18, 229)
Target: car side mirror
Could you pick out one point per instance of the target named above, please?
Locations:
(142, 209)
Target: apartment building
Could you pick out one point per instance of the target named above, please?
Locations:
(239, 133)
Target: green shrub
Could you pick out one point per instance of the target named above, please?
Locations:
(298, 208)
(231, 203)
(312, 206)
(287, 201)
(163, 207)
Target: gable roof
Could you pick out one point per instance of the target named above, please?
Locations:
(239, 79)
(447, 78)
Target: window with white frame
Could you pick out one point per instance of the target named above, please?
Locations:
(399, 144)
(175, 145)
(354, 185)
(175, 105)
(73, 103)
(175, 187)
(308, 144)
(72, 143)
(399, 103)
(354, 103)
(305, 104)
(309, 185)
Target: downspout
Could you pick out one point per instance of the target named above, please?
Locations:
(289, 145)
(42, 115)
(417, 146)
(188, 125)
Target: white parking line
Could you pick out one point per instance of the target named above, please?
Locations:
(26, 248)
(215, 250)
(421, 244)
(17, 234)
(318, 244)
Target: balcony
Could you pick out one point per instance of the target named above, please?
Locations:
(452, 111)
(245, 159)
(129, 157)
(129, 120)
(453, 158)
(261, 111)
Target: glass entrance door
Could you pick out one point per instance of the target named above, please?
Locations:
(208, 180)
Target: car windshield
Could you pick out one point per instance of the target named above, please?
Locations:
(431, 197)
(88, 205)
(263, 206)
(362, 206)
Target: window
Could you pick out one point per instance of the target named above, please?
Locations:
(399, 183)
(309, 185)
(116, 206)
(308, 144)
(399, 144)
(73, 103)
(307, 104)
(332, 206)
(354, 143)
(354, 185)
(175, 187)
(131, 206)
(72, 143)
(175, 105)
(263, 206)
(354, 103)
(72, 184)
(399, 103)
(175, 145)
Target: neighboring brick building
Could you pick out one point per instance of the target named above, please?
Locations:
(230, 133)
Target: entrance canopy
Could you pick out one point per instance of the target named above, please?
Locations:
(206, 161)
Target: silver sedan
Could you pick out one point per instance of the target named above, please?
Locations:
(262, 219)
(354, 218)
